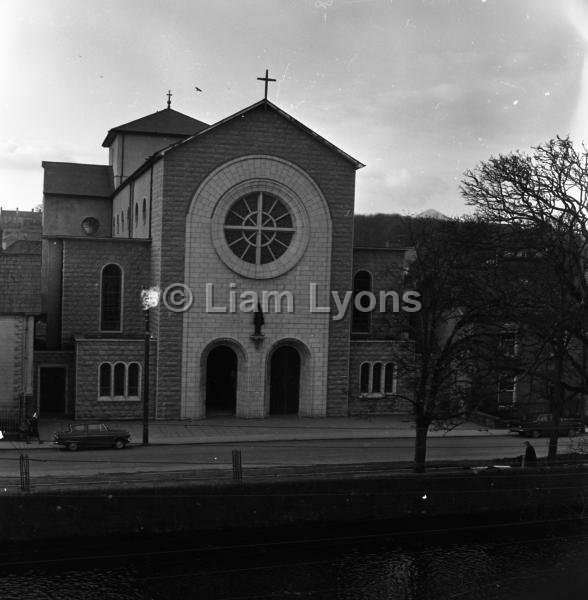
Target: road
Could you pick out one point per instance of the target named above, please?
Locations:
(206, 457)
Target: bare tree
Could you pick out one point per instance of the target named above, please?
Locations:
(540, 202)
(450, 270)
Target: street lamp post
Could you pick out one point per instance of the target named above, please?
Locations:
(149, 299)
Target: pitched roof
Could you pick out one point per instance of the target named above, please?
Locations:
(73, 179)
(163, 122)
(24, 247)
(285, 115)
(20, 281)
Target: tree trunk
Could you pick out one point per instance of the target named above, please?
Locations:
(420, 445)
(554, 436)
(557, 406)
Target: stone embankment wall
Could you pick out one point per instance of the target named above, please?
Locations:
(207, 508)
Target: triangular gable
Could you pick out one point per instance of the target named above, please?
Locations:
(283, 114)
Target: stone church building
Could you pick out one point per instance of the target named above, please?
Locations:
(255, 203)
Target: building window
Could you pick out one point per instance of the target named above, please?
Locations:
(259, 228)
(133, 380)
(377, 378)
(136, 214)
(111, 298)
(360, 321)
(144, 211)
(506, 390)
(105, 379)
(117, 224)
(364, 378)
(119, 381)
(508, 343)
(122, 221)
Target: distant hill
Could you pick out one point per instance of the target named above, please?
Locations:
(389, 231)
(431, 213)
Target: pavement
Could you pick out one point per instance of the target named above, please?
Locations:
(217, 430)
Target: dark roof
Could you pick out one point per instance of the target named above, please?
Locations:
(24, 247)
(20, 281)
(76, 179)
(163, 122)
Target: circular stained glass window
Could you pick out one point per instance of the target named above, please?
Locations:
(259, 228)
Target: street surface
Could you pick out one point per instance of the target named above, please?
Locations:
(53, 461)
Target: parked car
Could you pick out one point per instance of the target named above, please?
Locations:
(543, 425)
(92, 435)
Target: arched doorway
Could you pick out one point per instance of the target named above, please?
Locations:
(285, 381)
(221, 381)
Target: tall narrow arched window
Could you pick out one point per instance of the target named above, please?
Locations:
(377, 378)
(119, 379)
(144, 211)
(105, 378)
(111, 298)
(360, 321)
(136, 214)
(133, 380)
(117, 223)
(389, 379)
(122, 221)
(364, 378)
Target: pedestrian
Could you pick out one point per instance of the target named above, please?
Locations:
(530, 458)
(34, 426)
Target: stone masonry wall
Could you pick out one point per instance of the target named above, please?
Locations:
(89, 355)
(259, 132)
(83, 261)
(386, 268)
(373, 403)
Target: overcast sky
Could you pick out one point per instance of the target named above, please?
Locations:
(418, 90)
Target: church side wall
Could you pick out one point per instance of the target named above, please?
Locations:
(386, 270)
(83, 261)
(10, 353)
(380, 351)
(263, 133)
(156, 225)
(63, 215)
(90, 354)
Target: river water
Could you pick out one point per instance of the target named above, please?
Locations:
(508, 563)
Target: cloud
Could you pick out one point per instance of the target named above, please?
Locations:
(29, 154)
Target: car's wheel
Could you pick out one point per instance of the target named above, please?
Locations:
(120, 444)
(535, 433)
(73, 446)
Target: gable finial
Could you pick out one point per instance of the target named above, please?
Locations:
(267, 79)
(169, 95)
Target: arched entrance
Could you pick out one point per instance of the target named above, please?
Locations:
(221, 381)
(285, 381)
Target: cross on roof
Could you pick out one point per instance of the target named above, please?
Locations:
(169, 95)
(267, 79)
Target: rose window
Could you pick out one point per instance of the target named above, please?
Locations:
(258, 228)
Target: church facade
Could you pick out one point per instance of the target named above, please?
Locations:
(245, 229)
